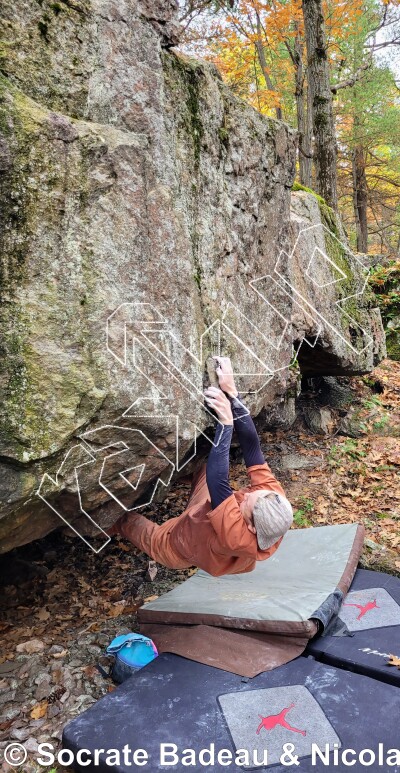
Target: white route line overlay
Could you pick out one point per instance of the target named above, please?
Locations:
(150, 319)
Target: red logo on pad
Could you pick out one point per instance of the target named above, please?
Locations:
(278, 719)
(363, 609)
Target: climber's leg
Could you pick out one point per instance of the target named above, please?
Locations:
(151, 539)
(137, 529)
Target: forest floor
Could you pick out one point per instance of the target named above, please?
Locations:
(63, 604)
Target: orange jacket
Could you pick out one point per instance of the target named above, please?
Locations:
(218, 540)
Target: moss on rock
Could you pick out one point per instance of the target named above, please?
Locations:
(184, 75)
(42, 181)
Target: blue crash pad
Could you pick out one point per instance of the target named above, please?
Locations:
(178, 701)
(371, 614)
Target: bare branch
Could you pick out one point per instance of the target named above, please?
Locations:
(352, 79)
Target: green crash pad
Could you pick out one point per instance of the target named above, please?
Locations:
(303, 582)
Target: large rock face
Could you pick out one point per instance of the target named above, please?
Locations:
(141, 202)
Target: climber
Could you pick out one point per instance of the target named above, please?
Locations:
(221, 531)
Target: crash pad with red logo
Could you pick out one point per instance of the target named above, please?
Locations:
(367, 631)
(197, 707)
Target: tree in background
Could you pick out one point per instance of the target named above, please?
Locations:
(295, 47)
(370, 163)
(323, 122)
(368, 125)
(248, 44)
(385, 281)
(292, 69)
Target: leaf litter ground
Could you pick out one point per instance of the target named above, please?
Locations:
(62, 604)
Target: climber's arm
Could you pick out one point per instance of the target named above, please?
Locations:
(247, 433)
(217, 470)
(259, 471)
(244, 425)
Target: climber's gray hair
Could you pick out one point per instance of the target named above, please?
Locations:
(273, 516)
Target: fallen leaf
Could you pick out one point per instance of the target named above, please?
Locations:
(125, 548)
(394, 661)
(39, 711)
(116, 609)
(60, 654)
(5, 657)
(31, 646)
(151, 573)
(84, 584)
(56, 675)
(85, 611)
(150, 598)
(43, 615)
(90, 671)
(93, 626)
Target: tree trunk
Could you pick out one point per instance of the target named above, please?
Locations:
(325, 150)
(360, 198)
(303, 116)
(263, 63)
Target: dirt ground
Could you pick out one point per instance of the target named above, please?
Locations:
(62, 604)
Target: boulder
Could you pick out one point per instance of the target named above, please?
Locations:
(147, 225)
